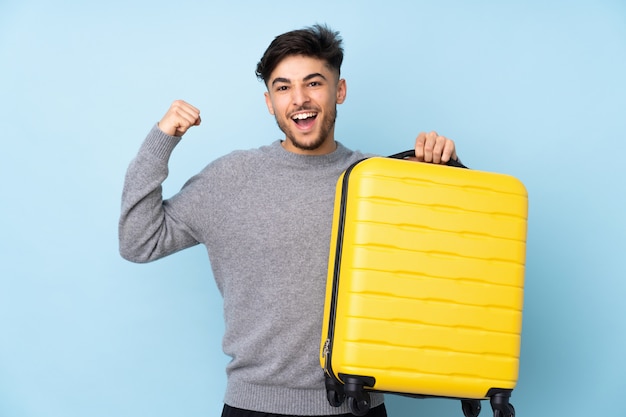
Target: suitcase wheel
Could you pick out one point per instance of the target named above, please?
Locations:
(359, 401)
(359, 405)
(507, 411)
(471, 408)
(335, 399)
(334, 391)
(501, 405)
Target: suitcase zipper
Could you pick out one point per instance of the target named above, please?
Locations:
(326, 353)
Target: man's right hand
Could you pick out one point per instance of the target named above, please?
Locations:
(179, 118)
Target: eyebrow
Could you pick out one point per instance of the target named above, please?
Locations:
(288, 81)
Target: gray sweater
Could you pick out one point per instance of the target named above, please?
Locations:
(264, 216)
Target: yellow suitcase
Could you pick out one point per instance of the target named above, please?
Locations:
(425, 285)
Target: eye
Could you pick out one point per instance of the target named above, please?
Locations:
(315, 84)
(282, 88)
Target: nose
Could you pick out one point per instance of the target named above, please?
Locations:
(299, 96)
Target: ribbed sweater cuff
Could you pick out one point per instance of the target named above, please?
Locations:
(160, 144)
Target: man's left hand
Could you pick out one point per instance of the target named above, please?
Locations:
(433, 148)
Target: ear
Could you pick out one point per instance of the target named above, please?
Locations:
(268, 103)
(342, 91)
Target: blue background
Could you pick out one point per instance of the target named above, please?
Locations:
(535, 89)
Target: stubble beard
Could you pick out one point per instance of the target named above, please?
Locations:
(327, 126)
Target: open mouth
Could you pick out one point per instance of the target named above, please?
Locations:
(304, 120)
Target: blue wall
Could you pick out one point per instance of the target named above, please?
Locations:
(532, 88)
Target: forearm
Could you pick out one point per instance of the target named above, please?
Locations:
(146, 231)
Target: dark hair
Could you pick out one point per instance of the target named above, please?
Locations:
(317, 41)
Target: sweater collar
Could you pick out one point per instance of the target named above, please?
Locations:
(341, 152)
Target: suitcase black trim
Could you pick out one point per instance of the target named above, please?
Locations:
(328, 348)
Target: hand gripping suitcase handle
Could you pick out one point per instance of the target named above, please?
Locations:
(411, 152)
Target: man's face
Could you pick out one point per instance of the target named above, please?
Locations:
(303, 94)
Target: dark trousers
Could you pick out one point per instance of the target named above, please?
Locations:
(229, 411)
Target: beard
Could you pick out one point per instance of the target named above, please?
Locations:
(291, 133)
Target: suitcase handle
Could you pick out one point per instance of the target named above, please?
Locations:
(411, 152)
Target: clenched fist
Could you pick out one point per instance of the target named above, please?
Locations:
(179, 118)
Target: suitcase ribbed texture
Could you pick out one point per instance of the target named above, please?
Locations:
(430, 287)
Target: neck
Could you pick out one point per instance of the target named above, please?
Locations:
(327, 147)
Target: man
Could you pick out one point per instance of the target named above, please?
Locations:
(265, 217)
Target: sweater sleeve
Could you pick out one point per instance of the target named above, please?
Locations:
(147, 231)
